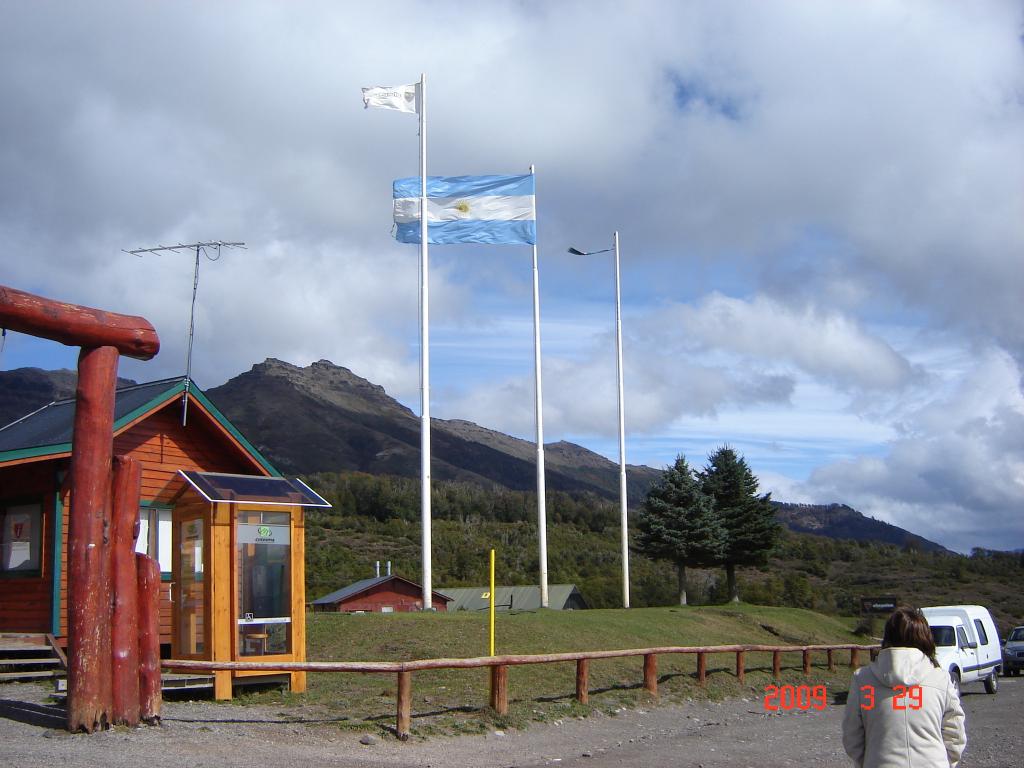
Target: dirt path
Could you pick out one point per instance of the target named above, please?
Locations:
(730, 734)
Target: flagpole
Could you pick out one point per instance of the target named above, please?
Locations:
(622, 431)
(424, 356)
(542, 523)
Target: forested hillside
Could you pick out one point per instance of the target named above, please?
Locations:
(377, 518)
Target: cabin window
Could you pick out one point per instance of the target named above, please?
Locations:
(155, 537)
(21, 539)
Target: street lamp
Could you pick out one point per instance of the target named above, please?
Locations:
(622, 415)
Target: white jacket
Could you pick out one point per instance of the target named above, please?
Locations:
(927, 732)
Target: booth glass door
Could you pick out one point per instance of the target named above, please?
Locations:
(264, 573)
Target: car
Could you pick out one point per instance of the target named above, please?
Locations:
(966, 644)
(1013, 652)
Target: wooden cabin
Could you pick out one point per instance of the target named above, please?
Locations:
(178, 462)
(381, 594)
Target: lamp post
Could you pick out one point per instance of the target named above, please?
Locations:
(622, 414)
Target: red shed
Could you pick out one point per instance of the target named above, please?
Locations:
(381, 594)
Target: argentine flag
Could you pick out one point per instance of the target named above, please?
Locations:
(498, 210)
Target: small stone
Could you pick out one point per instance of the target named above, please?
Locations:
(367, 739)
(498, 734)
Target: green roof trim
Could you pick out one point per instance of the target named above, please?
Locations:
(175, 389)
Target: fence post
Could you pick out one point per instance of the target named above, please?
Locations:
(651, 673)
(740, 666)
(583, 680)
(854, 661)
(807, 662)
(831, 661)
(702, 667)
(404, 715)
(499, 689)
(776, 664)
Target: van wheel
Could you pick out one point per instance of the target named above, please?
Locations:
(991, 683)
(954, 676)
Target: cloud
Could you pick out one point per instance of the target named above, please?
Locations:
(957, 478)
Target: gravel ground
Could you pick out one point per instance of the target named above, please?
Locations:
(730, 734)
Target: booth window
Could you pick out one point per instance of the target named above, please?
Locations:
(264, 582)
(21, 539)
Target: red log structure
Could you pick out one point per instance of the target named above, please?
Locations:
(89, 692)
(102, 336)
(124, 626)
(75, 325)
(148, 575)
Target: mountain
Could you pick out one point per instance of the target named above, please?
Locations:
(838, 521)
(25, 390)
(324, 418)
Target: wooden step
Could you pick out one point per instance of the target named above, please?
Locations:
(27, 674)
(47, 662)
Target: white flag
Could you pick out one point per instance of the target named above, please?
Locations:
(400, 97)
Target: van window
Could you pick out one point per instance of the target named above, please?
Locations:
(961, 637)
(982, 636)
(943, 636)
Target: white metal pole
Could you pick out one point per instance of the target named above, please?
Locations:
(542, 523)
(622, 431)
(424, 356)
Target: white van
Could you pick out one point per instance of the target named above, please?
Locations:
(966, 644)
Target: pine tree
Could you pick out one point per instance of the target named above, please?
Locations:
(678, 523)
(748, 519)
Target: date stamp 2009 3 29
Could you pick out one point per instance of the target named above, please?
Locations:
(787, 697)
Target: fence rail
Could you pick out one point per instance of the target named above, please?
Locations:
(499, 668)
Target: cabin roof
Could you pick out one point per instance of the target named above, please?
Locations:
(518, 598)
(48, 430)
(365, 585)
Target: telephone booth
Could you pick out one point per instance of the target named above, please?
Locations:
(238, 571)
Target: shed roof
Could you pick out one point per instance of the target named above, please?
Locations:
(364, 585)
(48, 430)
(517, 598)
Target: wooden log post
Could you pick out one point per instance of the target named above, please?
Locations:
(702, 668)
(102, 336)
(150, 684)
(807, 662)
(741, 670)
(831, 660)
(776, 664)
(124, 628)
(874, 653)
(583, 681)
(403, 720)
(651, 673)
(854, 658)
(499, 689)
(89, 603)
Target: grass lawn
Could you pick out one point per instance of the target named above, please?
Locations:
(453, 701)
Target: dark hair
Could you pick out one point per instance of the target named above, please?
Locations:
(908, 628)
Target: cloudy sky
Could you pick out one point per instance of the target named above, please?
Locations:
(820, 207)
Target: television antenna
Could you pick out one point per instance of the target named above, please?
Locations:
(199, 248)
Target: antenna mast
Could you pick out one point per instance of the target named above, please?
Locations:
(198, 248)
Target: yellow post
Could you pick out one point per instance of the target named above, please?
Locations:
(491, 610)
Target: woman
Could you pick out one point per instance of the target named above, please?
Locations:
(902, 709)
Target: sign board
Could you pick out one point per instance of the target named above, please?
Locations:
(878, 605)
(263, 534)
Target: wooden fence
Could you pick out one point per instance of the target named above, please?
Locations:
(499, 668)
